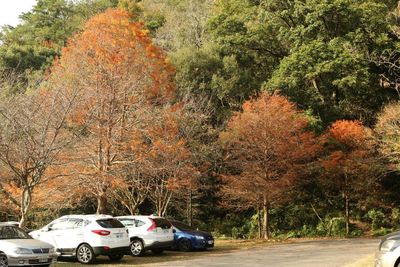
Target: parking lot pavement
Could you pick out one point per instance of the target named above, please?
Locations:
(322, 253)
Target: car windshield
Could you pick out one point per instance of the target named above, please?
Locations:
(12, 232)
(110, 223)
(181, 226)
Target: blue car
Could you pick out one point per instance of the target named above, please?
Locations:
(186, 238)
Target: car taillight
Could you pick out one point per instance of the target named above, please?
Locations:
(101, 232)
(152, 226)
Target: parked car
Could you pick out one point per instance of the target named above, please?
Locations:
(17, 248)
(186, 238)
(148, 233)
(86, 237)
(388, 254)
(14, 223)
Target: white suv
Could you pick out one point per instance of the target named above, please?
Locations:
(86, 236)
(148, 233)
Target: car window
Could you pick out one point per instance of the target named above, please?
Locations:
(58, 225)
(12, 232)
(110, 223)
(74, 224)
(162, 223)
(181, 226)
(128, 222)
(139, 223)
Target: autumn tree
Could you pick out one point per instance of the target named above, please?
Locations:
(266, 145)
(169, 160)
(351, 166)
(387, 131)
(132, 186)
(33, 137)
(122, 76)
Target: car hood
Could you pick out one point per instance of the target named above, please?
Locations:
(23, 243)
(197, 232)
(394, 235)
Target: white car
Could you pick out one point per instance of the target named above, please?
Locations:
(148, 233)
(86, 237)
(17, 248)
(389, 251)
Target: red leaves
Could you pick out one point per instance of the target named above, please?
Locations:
(350, 160)
(349, 133)
(266, 144)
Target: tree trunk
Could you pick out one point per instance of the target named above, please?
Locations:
(190, 208)
(266, 222)
(26, 201)
(259, 222)
(347, 211)
(346, 204)
(102, 204)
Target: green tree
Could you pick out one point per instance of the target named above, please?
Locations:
(33, 44)
(328, 68)
(315, 52)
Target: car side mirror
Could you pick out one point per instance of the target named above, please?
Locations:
(46, 229)
(174, 231)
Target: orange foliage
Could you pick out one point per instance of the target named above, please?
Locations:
(266, 144)
(120, 77)
(348, 142)
(351, 164)
(349, 133)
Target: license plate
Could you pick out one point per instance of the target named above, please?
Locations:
(210, 242)
(43, 260)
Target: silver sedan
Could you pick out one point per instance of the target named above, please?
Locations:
(17, 248)
(389, 251)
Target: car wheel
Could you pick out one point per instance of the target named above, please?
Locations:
(85, 254)
(184, 245)
(116, 257)
(3, 260)
(136, 247)
(397, 264)
(157, 251)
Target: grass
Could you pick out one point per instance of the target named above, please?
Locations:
(221, 247)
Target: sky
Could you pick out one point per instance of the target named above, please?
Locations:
(11, 9)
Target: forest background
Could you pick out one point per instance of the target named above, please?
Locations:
(247, 118)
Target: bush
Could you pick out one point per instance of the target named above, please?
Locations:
(382, 231)
(335, 226)
(395, 218)
(377, 219)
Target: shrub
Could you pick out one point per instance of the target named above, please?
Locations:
(377, 219)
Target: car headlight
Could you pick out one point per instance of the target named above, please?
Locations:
(199, 237)
(390, 245)
(23, 251)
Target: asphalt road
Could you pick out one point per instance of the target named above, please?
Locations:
(321, 253)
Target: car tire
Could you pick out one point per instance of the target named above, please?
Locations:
(3, 260)
(157, 251)
(116, 257)
(184, 245)
(85, 254)
(397, 264)
(136, 248)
